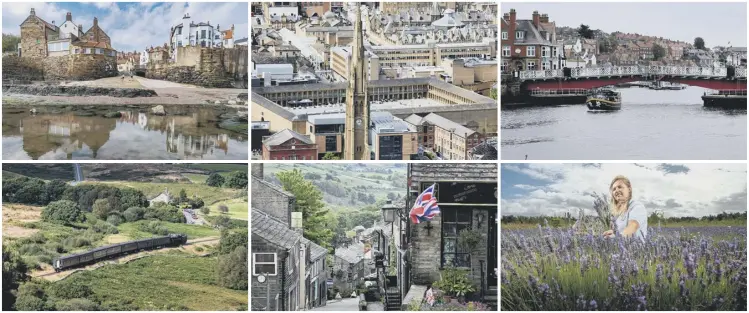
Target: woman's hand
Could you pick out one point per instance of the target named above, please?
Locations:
(608, 233)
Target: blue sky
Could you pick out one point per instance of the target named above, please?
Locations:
(717, 23)
(131, 25)
(677, 189)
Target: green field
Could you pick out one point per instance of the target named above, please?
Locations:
(238, 209)
(379, 188)
(219, 167)
(170, 281)
(196, 178)
(209, 194)
(132, 231)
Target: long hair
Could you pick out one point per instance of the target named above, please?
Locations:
(613, 207)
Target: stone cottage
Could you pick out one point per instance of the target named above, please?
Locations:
(467, 197)
(288, 271)
(65, 51)
(164, 197)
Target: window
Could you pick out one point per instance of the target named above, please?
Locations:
(545, 52)
(503, 66)
(505, 51)
(264, 263)
(531, 66)
(504, 36)
(202, 34)
(179, 31)
(519, 35)
(530, 51)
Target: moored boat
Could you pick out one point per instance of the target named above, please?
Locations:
(604, 100)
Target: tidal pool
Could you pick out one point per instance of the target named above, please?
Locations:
(132, 133)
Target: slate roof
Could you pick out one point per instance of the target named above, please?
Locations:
(284, 136)
(352, 254)
(442, 122)
(414, 119)
(473, 172)
(273, 230)
(316, 251)
(532, 35)
(272, 106)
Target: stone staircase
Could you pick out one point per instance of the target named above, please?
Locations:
(393, 299)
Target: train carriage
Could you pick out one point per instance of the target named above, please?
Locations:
(101, 253)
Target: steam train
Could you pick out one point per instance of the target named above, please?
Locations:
(111, 251)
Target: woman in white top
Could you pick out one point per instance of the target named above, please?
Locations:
(630, 217)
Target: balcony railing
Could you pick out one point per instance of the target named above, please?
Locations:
(634, 70)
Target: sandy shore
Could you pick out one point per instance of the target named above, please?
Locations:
(168, 93)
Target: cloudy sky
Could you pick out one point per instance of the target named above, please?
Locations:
(677, 189)
(717, 23)
(131, 25)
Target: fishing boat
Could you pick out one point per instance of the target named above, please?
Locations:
(604, 100)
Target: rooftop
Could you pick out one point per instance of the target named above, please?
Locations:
(469, 172)
(284, 136)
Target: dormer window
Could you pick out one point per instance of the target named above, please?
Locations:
(519, 35)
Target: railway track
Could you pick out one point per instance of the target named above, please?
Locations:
(50, 274)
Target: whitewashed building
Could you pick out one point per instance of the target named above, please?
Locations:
(143, 58)
(202, 34)
(70, 28)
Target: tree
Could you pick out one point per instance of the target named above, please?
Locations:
(182, 196)
(10, 42)
(215, 180)
(114, 219)
(232, 269)
(53, 190)
(133, 214)
(101, 208)
(391, 196)
(130, 197)
(699, 43)
(309, 202)
(30, 297)
(62, 212)
(585, 31)
(330, 156)
(196, 203)
(231, 239)
(493, 93)
(658, 52)
(237, 180)
(205, 210)
(223, 208)
(14, 273)
(222, 222)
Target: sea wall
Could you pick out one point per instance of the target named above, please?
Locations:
(68, 67)
(207, 67)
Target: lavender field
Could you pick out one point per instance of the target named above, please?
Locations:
(695, 268)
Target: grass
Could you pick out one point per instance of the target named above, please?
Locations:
(209, 194)
(196, 178)
(172, 280)
(219, 167)
(238, 209)
(132, 231)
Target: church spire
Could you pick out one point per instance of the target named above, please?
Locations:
(356, 137)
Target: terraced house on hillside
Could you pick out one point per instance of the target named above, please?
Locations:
(288, 270)
(40, 39)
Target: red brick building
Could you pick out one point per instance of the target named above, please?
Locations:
(289, 145)
(529, 44)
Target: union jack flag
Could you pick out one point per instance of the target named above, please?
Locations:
(425, 207)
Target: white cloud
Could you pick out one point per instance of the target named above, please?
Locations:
(705, 189)
(135, 27)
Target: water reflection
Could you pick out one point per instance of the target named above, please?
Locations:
(134, 135)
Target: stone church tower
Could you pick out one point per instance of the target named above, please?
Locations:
(356, 136)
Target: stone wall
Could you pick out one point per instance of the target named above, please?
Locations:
(207, 67)
(79, 67)
(272, 200)
(33, 39)
(427, 251)
(21, 70)
(272, 286)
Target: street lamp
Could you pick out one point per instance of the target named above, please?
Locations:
(389, 212)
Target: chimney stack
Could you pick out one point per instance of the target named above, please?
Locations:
(33, 12)
(69, 17)
(257, 170)
(507, 17)
(513, 25)
(544, 18)
(96, 22)
(536, 19)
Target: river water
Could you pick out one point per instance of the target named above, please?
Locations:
(76, 133)
(652, 125)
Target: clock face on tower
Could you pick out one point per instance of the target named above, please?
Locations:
(358, 122)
